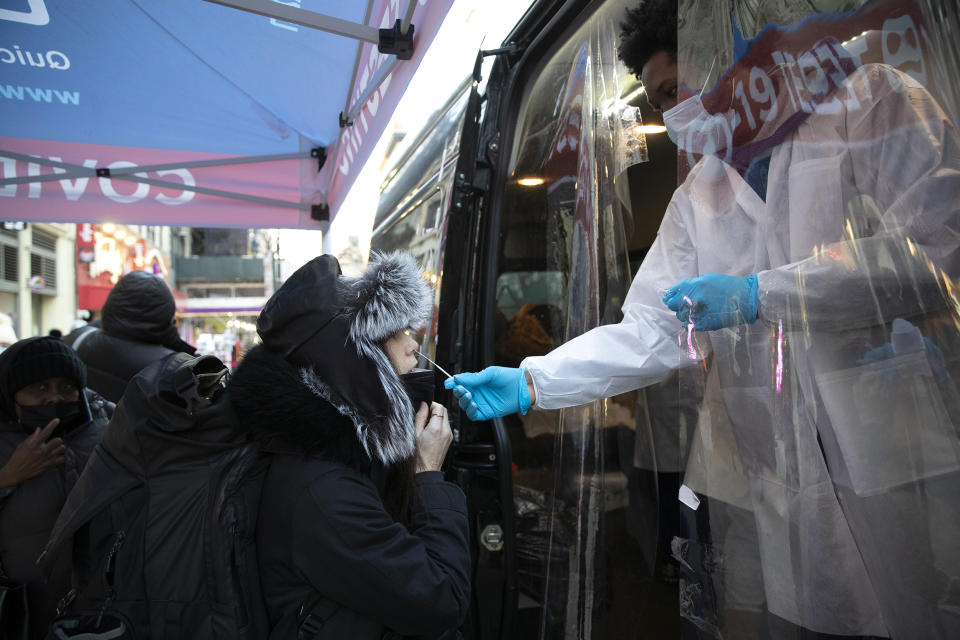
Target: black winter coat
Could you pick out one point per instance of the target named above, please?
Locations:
(323, 529)
(29, 510)
(137, 330)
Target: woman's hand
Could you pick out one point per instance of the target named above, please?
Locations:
(433, 436)
(33, 456)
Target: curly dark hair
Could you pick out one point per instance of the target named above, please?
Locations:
(649, 28)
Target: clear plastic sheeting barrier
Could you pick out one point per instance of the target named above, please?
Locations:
(795, 473)
(581, 544)
(819, 150)
(897, 429)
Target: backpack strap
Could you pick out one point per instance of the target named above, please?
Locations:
(313, 614)
(83, 336)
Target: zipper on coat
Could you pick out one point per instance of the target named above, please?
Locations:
(109, 572)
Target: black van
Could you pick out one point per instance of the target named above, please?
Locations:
(521, 266)
(531, 198)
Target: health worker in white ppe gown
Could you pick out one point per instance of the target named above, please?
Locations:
(811, 262)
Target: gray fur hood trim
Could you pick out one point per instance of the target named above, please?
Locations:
(390, 296)
(389, 439)
(331, 328)
(284, 415)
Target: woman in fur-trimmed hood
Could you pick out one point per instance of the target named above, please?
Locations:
(359, 535)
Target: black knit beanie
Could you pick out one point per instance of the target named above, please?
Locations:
(45, 358)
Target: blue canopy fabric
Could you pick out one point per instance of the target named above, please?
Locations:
(153, 87)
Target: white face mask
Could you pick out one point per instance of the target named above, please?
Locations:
(696, 131)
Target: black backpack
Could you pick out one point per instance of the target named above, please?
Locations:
(161, 523)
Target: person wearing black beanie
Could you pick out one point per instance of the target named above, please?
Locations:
(49, 425)
(35, 361)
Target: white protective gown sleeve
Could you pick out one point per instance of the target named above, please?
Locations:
(638, 351)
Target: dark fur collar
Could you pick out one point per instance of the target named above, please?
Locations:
(280, 412)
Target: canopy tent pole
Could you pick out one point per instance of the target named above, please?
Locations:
(398, 41)
(356, 62)
(75, 171)
(314, 20)
(345, 121)
(346, 102)
(378, 79)
(303, 206)
(351, 112)
(129, 174)
(408, 16)
(305, 18)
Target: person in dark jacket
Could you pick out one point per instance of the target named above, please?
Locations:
(137, 329)
(49, 424)
(358, 536)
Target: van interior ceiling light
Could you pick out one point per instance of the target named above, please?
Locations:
(119, 234)
(530, 182)
(651, 128)
(130, 241)
(109, 227)
(653, 124)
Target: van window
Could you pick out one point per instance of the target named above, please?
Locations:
(415, 196)
(514, 290)
(417, 230)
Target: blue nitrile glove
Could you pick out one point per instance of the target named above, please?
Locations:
(938, 365)
(716, 300)
(877, 354)
(492, 393)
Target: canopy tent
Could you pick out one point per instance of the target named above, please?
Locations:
(186, 112)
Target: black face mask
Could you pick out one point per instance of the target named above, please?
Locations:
(420, 385)
(40, 415)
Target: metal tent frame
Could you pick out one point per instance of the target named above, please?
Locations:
(396, 41)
